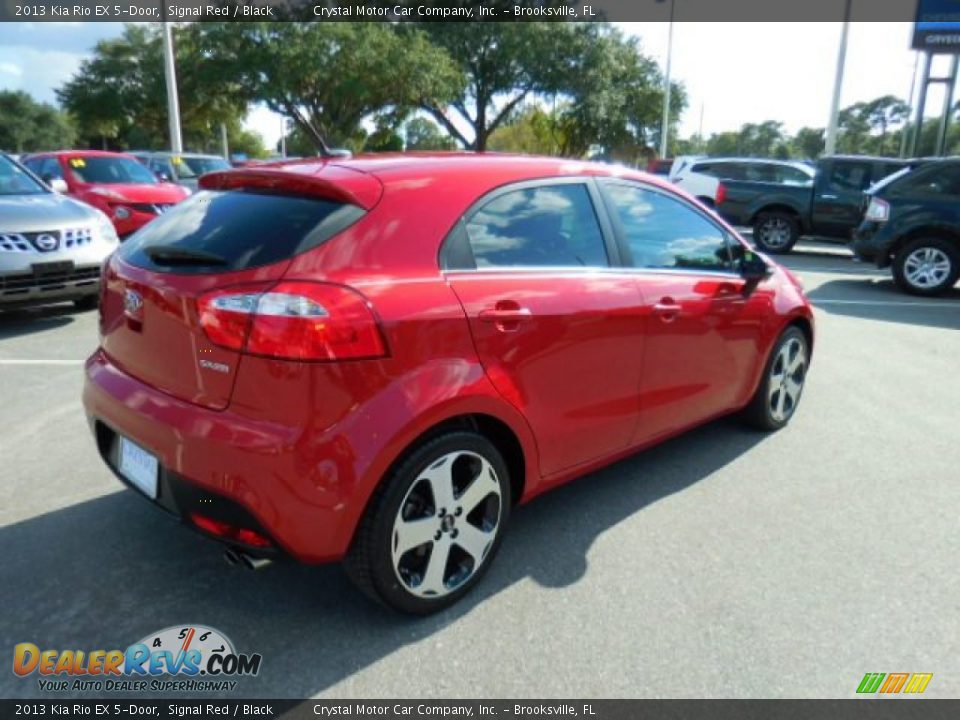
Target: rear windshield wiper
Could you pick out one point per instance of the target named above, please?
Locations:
(168, 255)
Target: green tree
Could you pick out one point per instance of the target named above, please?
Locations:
(809, 143)
(724, 143)
(423, 134)
(885, 114)
(532, 131)
(329, 77)
(502, 64)
(26, 125)
(118, 96)
(615, 97)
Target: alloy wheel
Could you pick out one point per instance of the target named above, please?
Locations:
(775, 233)
(926, 267)
(446, 524)
(786, 379)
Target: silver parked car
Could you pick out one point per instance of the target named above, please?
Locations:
(184, 169)
(51, 247)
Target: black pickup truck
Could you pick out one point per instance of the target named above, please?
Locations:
(831, 207)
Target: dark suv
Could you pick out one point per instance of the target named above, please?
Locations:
(912, 222)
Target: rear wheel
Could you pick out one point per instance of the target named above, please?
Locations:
(434, 526)
(927, 266)
(776, 232)
(779, 391)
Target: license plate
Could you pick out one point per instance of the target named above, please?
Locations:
(139, 467)
(53, 268)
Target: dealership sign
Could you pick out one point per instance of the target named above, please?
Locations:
(937, 28)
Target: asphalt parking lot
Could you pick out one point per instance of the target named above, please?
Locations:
(722, 564)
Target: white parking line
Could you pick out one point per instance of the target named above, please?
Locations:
(25, 361)
(907, 303)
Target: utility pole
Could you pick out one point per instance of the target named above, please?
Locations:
(907, 127)
(665, 125)
(223, 142)
(831, 144)
(170, 73)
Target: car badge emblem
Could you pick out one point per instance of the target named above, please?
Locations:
(133, 304)
(46, 242)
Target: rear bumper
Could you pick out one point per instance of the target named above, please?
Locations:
(227, 467)
(26, 289)
(869, 244)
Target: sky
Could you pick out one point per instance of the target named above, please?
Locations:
(735, 72)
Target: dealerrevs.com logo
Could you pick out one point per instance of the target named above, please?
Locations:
(200, 657)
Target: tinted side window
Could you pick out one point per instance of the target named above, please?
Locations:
(553, 225)
(847, 177)
(662, 232)
(931, 181)
(759, 172)
(244, 229)
(786, 175)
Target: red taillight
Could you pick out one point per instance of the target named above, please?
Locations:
(244, 536)
(721, 194)
(294, 320)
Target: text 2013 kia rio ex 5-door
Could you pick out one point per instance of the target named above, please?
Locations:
(376, 359)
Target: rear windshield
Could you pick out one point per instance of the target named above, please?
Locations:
(238, 229)
(191, 167)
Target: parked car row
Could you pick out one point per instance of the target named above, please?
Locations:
(894, 212)
(62, 213)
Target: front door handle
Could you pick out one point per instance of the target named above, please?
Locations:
(667, 309)
(828, 197)
(505, 314)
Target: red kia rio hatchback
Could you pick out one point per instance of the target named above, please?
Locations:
(377, 359)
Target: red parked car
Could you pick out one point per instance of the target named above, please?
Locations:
(376, 359)
(115, 183)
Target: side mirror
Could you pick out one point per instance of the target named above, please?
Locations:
(162, 176)
(753, 268)
(58, 185)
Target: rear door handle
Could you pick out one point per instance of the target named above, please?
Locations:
(828, 197)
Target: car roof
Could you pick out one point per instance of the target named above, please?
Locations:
(80, 153)
(169, 153)
(451, 165)
(867, 158)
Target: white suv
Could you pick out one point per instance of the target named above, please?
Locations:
(702, 177)
(51, 247)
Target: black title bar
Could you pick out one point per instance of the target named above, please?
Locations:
(457, 10)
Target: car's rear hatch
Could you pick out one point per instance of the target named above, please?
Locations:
(242, 232)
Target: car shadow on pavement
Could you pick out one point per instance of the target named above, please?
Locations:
(14, 323)
(880, 299)
(106, 572)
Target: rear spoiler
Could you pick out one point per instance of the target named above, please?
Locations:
(320, 179)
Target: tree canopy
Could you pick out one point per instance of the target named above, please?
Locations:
(26, 125)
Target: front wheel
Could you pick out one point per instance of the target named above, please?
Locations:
(778, 394)
(434, 526)
(776, 232)
(928, 266)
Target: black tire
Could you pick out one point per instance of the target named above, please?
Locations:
(760, 413)
(707, 202)
(88, 302)
(370, 561)
(905, 273)
(776, 232)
